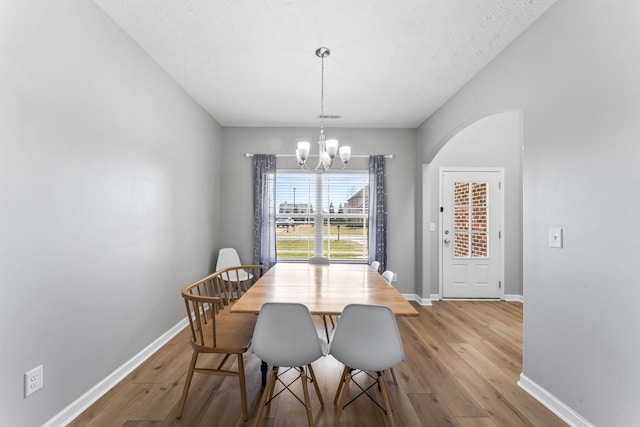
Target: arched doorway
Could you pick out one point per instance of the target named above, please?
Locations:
(493, 141)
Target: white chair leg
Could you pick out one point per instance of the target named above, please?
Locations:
(315, 384)
(307, 401)
(340, 385)
(266, 393)
(386, 399)
(343, 397)
(393, 375)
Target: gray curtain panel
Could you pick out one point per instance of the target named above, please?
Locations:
(377, 212)
(264, 208)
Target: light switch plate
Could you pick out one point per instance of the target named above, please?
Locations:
(555, 237)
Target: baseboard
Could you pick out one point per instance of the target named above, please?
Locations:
(436, 297)
(516, 298)
(554, 404)
(417, 298)
(83, 402)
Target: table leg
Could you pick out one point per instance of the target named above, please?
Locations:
(264, 368)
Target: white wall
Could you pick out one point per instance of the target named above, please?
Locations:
(109, 190)
(493, 141)
(237, 215)
(574, 74)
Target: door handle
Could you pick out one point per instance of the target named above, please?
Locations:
(447, 241)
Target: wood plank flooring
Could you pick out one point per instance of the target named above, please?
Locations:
(463, 359)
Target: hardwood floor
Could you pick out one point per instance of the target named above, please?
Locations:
(463, 360)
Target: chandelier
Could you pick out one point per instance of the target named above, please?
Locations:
(327, 148)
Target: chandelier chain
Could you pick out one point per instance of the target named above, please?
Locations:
(322, 96)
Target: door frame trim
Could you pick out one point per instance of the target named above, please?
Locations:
(501, 240)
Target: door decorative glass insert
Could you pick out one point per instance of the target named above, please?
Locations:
(471, 219)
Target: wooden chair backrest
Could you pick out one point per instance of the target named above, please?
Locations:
(239, 278)
(203, 300)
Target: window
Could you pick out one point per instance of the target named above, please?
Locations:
(336, 202)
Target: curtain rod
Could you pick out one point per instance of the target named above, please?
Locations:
(386, 156)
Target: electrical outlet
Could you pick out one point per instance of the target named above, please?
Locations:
(33, 380)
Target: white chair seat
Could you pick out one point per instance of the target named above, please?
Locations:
(241, 276)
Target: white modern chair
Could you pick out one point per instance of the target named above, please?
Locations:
(285, 336)
(366, 340)
(388, 276)
(228, 257)
(375, 265)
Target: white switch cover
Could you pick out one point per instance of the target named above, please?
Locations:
(432, 226)
(555, 237)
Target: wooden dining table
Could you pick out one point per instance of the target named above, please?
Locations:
(324, 289)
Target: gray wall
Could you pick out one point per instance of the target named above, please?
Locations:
(109, 192)
(574, 74)
(237, 212)
(493, 141)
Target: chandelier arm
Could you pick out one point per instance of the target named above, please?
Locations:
(322, 148)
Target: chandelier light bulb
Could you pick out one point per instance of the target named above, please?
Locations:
(332, 147)
(303, 151)
(345, 154)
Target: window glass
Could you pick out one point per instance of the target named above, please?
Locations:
(343, 210)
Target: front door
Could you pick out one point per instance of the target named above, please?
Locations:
(471, 222)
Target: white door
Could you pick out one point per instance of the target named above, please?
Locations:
(471, 222)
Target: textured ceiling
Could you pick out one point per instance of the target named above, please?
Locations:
(393, 62)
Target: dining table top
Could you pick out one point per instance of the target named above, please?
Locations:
(324, 289)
